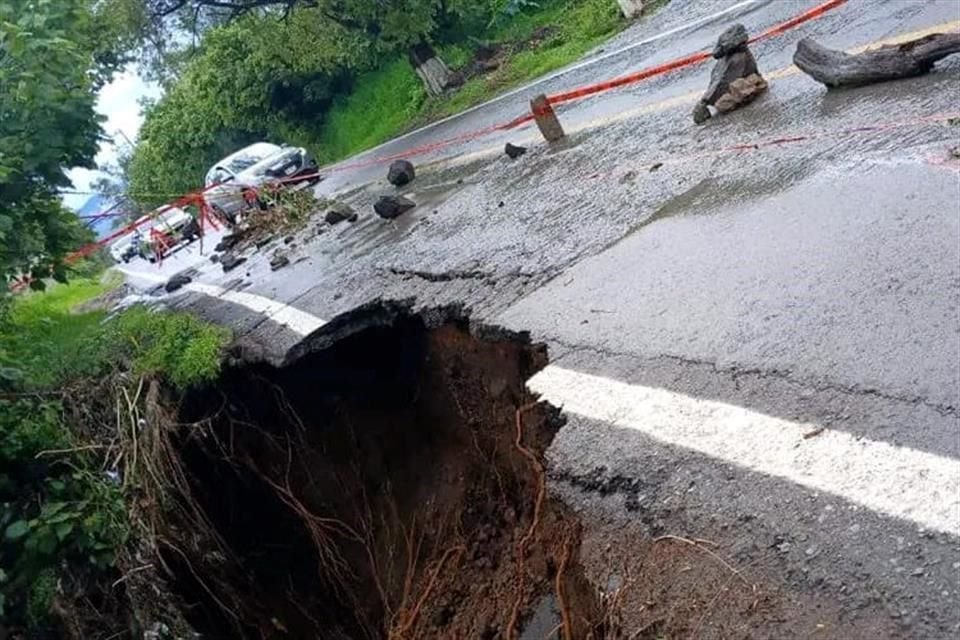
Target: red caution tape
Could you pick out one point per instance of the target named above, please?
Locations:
(688, 61)
(650, 72)
(574, 94)
(806, 16)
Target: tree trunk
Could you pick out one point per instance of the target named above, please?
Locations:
(839, 69)
(434, 73)
(631, 8)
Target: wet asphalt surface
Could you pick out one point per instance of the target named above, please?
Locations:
(815, 281)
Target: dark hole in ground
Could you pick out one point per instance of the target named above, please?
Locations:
(376, 488)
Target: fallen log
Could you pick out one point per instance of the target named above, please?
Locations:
(838, 69)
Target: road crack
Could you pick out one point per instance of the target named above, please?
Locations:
(735, 373)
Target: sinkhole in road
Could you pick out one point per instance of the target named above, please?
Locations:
(388, 482)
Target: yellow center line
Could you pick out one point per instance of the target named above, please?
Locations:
(685, 99)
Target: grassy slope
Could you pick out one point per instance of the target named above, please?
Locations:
(391, 99)
(50, 344)
(61, 513)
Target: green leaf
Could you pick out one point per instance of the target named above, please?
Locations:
(52, 508)
(17, 530)
(47, 544)
(64, 529)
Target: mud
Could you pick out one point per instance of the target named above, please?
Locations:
(388, 482)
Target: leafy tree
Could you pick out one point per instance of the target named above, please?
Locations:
(386, 26)
(237, 89)
(52, 61)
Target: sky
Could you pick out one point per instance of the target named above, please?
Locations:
(119, 103)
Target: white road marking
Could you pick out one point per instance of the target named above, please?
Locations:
(898, 481)
(297, 321)
(143, 275)
(921, 487)
(580, 65)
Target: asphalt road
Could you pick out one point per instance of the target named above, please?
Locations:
(758, 347)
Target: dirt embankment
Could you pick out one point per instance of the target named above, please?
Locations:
(388, 483)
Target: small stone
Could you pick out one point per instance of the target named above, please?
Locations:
(811, 551)
(390, 207)
(227, 242)
(339, 212)
(262, 242)
(288, 240)
(500, 205)
(513, 151)
(215, 258)
(655, 166)
(701, 113)
(177, 282)
(229, 262)
(401, 173)
(279, 261)
(918, 572)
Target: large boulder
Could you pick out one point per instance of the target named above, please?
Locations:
(735, 79)
(339, 212)
(390, 207)
(401, 173)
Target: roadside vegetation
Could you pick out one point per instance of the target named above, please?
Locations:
(543, 37)
(70, 382)
(338, 77)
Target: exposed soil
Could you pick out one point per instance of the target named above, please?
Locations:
(387, 483)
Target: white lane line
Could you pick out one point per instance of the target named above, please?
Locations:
(561, 72)
(297, 321)
(921, 487)
(143, 275)
(898, 481)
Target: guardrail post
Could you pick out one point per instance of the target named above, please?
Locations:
(546, 119)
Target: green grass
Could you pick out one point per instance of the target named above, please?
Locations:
(391, 99)
(45, 343)
(57, 508)
(382, 103)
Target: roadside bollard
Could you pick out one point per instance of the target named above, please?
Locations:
(546, 119)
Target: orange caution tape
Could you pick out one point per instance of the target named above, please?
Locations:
(574, 94)
(688, 61)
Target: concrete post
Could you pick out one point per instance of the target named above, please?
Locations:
(630, 8)
(546, 119)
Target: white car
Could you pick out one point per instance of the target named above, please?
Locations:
(124, 248)
(174, 223)
(252, 166)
